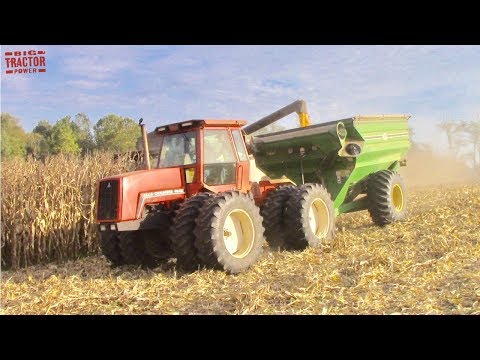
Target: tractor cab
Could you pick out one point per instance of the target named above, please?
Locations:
(210, 153)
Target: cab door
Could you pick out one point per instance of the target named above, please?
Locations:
(243, 164)
(219, 160)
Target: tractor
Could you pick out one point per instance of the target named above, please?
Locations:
(216, 191)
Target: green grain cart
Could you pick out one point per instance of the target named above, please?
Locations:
(355, 159)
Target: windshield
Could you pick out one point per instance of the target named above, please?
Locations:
(178, 150)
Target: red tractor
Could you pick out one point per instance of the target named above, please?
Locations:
(200, 202)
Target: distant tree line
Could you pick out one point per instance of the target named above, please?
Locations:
(463, 139)
(68, 136)
(120, 134)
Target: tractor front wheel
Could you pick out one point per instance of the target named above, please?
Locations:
(157, 240)
(158, 244)
(229, 232)
(133, 249)
(109, 244)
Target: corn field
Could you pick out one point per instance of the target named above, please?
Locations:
(48, 208)
(427, 264)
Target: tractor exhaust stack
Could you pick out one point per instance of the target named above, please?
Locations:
(145, 144)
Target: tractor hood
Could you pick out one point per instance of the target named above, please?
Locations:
(136, 189)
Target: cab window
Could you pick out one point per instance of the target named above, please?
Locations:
(219, 158)
(237, 138)
(178, 150)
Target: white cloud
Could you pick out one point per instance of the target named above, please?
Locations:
(172, 83)
(94, 66)
(88, 84)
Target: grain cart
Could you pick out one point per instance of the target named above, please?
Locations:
(217, 191)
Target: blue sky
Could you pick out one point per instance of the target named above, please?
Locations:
(166, 84)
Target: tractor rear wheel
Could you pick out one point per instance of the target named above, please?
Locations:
(310, 217)
(109, 244)
(133, 249)
(273, 213)
(386, 196)
(182, 236)
(229, 232)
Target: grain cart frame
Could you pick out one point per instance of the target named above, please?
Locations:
(217, 191)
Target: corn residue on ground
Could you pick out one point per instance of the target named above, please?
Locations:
(428, 264)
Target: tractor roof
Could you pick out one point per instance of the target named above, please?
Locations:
(195, 123)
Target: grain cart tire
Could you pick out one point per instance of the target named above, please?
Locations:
(109, 244)
(182, 236)
(133, 249)
(386, 195)
(309, 217)
(273, 213)
(229, 232)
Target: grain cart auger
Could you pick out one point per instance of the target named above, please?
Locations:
(214, 191)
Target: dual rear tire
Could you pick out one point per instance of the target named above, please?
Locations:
(229, 234)
(310, 216)
(297, 217)
(220, 231)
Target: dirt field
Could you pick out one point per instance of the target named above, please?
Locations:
(429, 264)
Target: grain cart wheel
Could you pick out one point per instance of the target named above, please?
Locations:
(183, 238)
(273, 213)
(109, 243)
(133, 250)
(309, 217)
(386, 194)
(229, 232)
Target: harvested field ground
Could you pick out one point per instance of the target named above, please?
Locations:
(428, 264)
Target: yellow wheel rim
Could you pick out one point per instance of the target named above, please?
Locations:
(319, 218)
(238, 233)
(397, 197)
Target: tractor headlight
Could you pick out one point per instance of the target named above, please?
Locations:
(353, 149)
